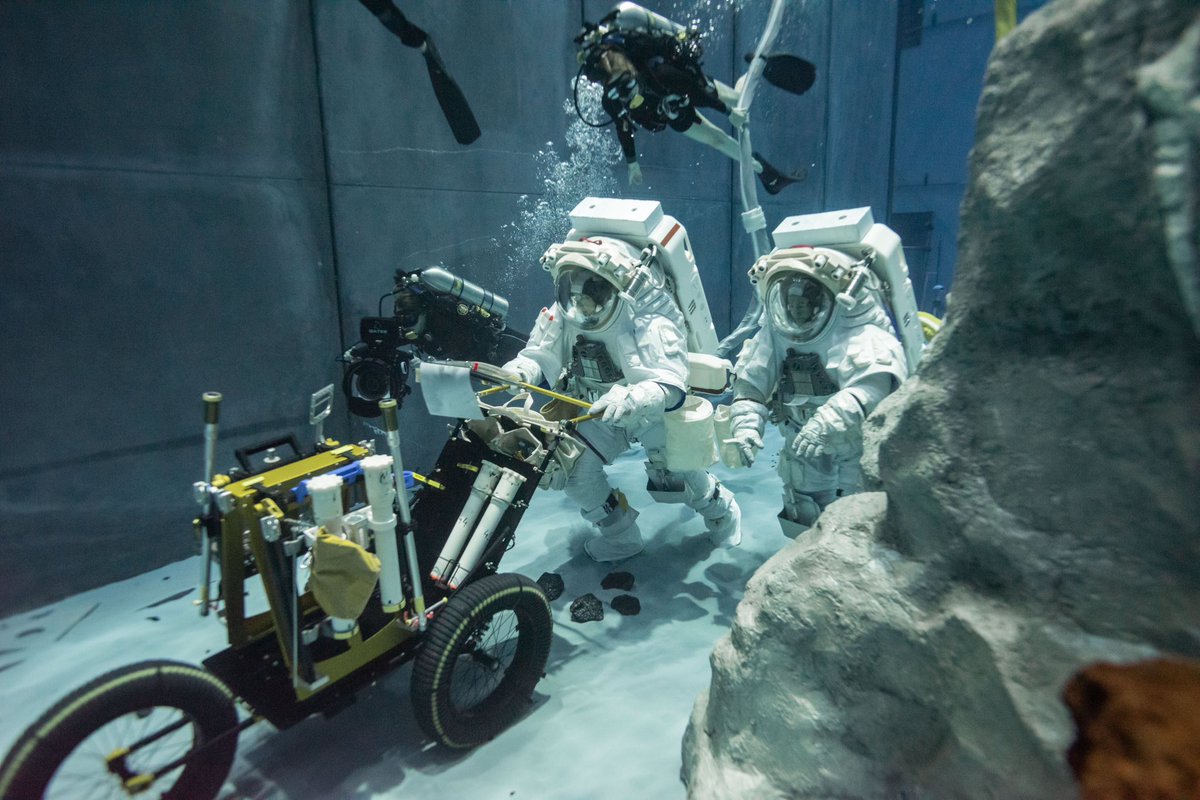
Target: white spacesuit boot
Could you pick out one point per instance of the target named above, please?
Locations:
(598, 502)
(809, 485)
(619, 536)
(800, 510)
(716, 504)
(722, 515)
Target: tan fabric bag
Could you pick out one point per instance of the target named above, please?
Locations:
(343, 576)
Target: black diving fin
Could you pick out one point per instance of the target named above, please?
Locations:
(790, 73)
(450, 97)
(775, 181)
(453, 102)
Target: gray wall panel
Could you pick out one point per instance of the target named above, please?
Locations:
(163, 231)
(939, 85)
(860, 111)
(211, 88)
(145, 288)
(940, 82)
(127, 294)
(791, 131)
(513, 61)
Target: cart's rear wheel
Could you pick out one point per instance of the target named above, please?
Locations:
(112, 737)
(482, 657)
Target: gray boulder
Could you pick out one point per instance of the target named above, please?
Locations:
(1038, 482)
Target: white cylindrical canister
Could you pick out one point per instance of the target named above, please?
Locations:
(485, 483)
(381, 493)
(691, 440)
(723, 430)
(326, 494)
(506, 489)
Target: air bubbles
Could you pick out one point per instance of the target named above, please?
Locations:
(586, 171)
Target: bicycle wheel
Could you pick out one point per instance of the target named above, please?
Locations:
(126, 733)
(482, 657)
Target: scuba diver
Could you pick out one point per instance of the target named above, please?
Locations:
(449, 96)
(825, 357)
(616, 338)
(650, 71)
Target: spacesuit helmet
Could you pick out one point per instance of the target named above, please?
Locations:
(586, 298)
(800, 307)
(592, 277)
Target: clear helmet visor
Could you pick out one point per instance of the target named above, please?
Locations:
(586, 299)
(799, 306)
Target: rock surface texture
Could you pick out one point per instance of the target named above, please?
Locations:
(1038, 503)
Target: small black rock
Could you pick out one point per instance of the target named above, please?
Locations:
(618, 580)
(626, 605)
(552, 585)
(587, 609)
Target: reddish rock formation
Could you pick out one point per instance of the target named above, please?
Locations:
(1138, 731)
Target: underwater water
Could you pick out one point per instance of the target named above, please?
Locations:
(586, 169)
(194, 197)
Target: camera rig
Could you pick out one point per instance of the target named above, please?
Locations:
(435, 313)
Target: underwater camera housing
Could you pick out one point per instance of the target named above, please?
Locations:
(434, 313)
(376, 367)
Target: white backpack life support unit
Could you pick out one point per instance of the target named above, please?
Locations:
(664, 240)
(855, 233)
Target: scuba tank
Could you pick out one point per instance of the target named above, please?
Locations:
(632, 17)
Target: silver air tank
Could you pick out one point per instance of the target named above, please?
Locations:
(631, 16)
(446, 282)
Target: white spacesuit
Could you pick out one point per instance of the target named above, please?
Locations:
(825, 356)
(616, 337)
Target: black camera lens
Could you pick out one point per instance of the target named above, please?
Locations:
(372, 382)
(369, 379)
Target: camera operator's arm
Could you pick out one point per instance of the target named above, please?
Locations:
(542, 357)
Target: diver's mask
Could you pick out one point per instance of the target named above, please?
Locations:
(585, 298)
(800, 307)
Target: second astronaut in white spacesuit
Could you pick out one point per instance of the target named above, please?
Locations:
(821, 362)
(616, 337)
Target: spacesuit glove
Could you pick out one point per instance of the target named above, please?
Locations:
(817, 435)
(635, 173)
(632, 406)
(839, 419)
(521, 369)
(746, 421)
(812, 441)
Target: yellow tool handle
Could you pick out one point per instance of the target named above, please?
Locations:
(532, 388)
(556, 395)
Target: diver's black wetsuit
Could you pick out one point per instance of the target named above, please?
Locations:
(671, 82)
(672, 86)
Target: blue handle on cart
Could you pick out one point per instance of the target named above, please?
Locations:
(349, 474)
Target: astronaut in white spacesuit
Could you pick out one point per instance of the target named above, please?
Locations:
(615, 337)
(823, 359)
